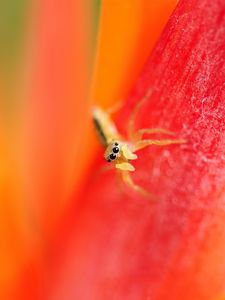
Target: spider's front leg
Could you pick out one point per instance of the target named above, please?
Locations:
(115, 108)
(127, 179)
(137, 135)
(125, 166)
(141, 144)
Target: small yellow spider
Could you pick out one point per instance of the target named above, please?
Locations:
(120, 151)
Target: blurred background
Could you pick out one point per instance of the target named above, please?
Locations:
(57, 60)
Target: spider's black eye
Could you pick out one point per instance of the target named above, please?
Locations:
(109, 160)
(112, 156)
(116, 144)
(116, 149)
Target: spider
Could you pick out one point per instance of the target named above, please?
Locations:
(120, 151)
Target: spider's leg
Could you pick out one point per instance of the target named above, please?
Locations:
(130, 128)
(144, 143)
(102, 170)
(125, 166)
(139, 133)
(119, 182)
(113, 109)
(128, 154)
(127, 179)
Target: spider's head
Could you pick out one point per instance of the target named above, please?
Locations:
(113, 151)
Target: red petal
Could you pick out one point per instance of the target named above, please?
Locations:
(125, 247)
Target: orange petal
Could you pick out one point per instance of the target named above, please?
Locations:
(128, 32)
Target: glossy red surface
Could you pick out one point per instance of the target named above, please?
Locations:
(123, 246)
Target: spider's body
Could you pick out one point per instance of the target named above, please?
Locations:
(120, 151)
(106, 129)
